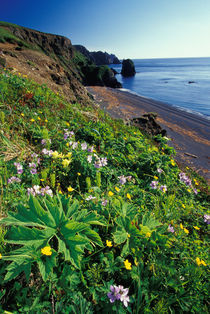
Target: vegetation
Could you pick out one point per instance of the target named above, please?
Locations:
(95, 217)
(7, 36)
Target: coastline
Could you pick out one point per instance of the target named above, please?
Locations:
(189, 133)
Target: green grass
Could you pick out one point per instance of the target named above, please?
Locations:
(99, 231)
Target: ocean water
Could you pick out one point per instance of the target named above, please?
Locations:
(167, 80)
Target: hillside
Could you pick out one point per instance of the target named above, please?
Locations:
(95, 215)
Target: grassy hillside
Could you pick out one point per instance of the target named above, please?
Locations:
(95, 217)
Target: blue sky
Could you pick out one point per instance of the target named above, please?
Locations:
(128, 28)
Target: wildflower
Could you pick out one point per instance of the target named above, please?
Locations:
(195, 191)
(69, 155)
(90, 149)
(22, 114)
(46, 250)
(206, 219)
(70, 189)
(104, 203)
(43, 142)
(89, 158)
(156, 178)
(66, 162)
(0, 256)
(159, 170)
(32, 165)
(108, 243)
(148, 234)
(118, 293)
(74, 145)
(110, 193)
(84, 146)
(90, 197)
(154, 184)
(173, 162)
(170, 228)
(127, 264)
(13, 179)
(200, 262)
(67, 123)
(78, 173)
(55, 154)
(103, 161)
(19, 167)
(183, 205)
(128, 196)
(42, 180)
(46, 120)
(186, 230)
(117, 189)
(196, 228)
(32, 120)
(163, 188)
(33, 171)
(181, 226)
(39, 118)
(123, 179)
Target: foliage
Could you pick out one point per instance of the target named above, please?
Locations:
(89, 204)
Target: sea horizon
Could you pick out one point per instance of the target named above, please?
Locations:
(180, 82)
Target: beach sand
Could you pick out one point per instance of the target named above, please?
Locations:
(189, 133)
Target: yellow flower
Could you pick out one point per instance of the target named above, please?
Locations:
(46, 120)
(22, 114)
(186, 230)
(66, 162)
(188, 190)
(135, 262)
(110, 193)
(69, 155)
(42, 180)
(196, 228)
(173, 162)
(127, 264)
(125, 138)
(78, 173)
(32, 120)
(128, 235)
(108, 243)
(156, 178)
(200, 262)
(134, 133)
(183, 205)
(67, 144)
(39, 118)
(70, 189)
(148, 234)
(67, 124)
(60, 192)
(55, 154)
(117, 189)
(46, 250)
(0, 256)
(187, 168)
(128, 196)
(181, 226)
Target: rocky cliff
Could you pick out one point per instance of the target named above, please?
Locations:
(98, 57)
(48, 59)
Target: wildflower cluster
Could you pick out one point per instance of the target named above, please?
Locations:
(13, 179)
(118, 293)
(38, 190)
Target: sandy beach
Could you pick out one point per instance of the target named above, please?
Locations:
(189, 133)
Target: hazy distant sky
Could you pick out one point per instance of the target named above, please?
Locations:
(128, 28)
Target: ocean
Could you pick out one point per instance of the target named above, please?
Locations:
(179, 82)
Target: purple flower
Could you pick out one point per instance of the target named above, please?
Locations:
(195, 191)
(43, 142)
(103, 161)
(13, 179)
(170, 229)
(118, 293)
(74, 145)
(184, 178)
(163, 188)
(33, 171)
(89, 158)
(123, 179)
(90, 149)
(34, 155)
(206, 219)
(31, 191)
(65, 136)
(19, 167)
(159, 170)
(104, 203)
(154, 184)
(97, 164)
(47, 190)
(84, 146)
(32, 165)
(90, 197)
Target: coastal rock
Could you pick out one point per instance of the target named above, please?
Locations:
(114, 71)
(128, 68)
(148, 124)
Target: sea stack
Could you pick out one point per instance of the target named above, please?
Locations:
(128, 68)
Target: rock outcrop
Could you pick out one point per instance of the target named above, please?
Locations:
(147, 123)
(128, 68)
(98, 57)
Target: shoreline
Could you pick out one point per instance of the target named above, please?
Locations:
(189, 132)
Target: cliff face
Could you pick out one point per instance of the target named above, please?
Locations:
(98, 57)
(45, 58)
